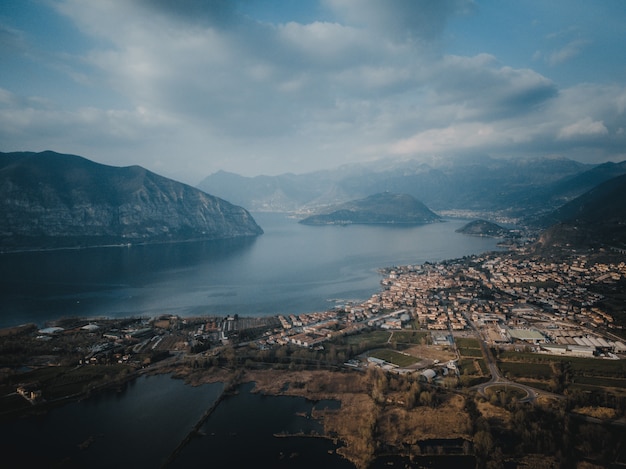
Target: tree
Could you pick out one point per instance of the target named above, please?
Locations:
(426, 398)
(483, 447)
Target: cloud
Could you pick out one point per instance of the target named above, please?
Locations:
(84, 127)
(583, 128)
(560, 125)
(567, 52)
(219, 90)
(249, 81)
(487, 90)
(11, 41)
(215, 13)
(419, 19)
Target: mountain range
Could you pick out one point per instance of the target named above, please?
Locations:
(524, 189)
(50, 200)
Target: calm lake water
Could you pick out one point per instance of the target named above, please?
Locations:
(137, 427)
(240, 433)
(292, 268)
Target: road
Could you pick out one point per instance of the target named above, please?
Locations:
(496, 377)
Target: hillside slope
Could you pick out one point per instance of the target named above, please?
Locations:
(53, 200)
(384, 208)
(595, 219)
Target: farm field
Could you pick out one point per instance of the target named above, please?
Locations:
(562, 373)
(396, 358)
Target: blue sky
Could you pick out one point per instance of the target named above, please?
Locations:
(191, 87)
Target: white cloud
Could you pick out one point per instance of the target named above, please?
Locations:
(488, 90)
(567, 52)
(583, 128)
(199, 79)
(405, 19)
(561, 125)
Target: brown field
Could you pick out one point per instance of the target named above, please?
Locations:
(431, 352)
(495, 415)
(361, 424)
(597, 412)
(360, 418)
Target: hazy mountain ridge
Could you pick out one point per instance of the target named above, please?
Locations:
(594, 219)
(521, 188)
(383, 208)
(53, 200)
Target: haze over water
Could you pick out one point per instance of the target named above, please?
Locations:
(292, 268)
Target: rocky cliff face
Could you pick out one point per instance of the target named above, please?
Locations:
(53, 200)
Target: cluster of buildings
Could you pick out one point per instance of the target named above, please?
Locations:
(510, 300)
(311, 329)
(562, 287)
(550, 306)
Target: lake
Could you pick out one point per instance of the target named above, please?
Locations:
(292, 268)
(139, 426)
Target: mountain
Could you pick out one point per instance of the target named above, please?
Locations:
(559, 193)
(594, 219)
(514, 187)
(484, 228)
(384, 208)
(53, 200)
(569, 188)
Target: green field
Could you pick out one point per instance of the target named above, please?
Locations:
(467, 367)
(578, 365)
(369, 340)
(471, 352)
(409, 337)
(600, 381)
(396, 358)
(585, 374)
(464, 342)
(483, 367)
(469, 348)
(526, 370)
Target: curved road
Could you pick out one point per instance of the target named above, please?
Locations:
(496, 377)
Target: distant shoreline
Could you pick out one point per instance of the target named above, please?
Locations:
(120, 245)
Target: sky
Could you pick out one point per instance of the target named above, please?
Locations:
(189, 87)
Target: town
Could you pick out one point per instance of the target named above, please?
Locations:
(459, 349)
(512, 302)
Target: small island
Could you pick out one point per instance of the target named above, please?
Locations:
(484, 228)
(383, 208)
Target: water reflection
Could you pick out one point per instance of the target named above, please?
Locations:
(253, 430)
(137, 427)
(292, 268)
